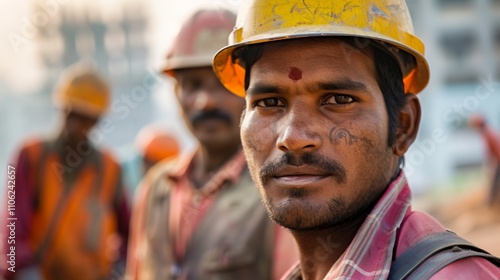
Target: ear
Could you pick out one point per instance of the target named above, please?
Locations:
(409, 122)
(177, 89)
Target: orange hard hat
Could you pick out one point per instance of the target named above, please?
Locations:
(156, 144)
(200, 37)
(82, 89)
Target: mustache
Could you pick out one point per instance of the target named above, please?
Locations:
(212, 114)
(327, 165)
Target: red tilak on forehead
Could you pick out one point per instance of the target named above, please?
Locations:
(295, 73)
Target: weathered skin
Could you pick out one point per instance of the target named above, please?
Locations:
(318, 146)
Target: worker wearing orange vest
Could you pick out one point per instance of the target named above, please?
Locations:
(72, 215)
(200, 217)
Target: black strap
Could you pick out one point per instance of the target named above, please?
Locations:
(94, 230)
(453, 246)
(439, 261)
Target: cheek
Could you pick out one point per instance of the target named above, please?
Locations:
(372, 125)
(257, 135)
(72, 126)
(377, 127)
(88, 126)
(370, 155)
(186, 101)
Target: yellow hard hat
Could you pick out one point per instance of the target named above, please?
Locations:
(386, 21)
(156, 144)
(200, 37)
(83, 90)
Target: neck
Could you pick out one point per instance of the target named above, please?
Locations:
(320, 249)
(209, 161)
(66, 141)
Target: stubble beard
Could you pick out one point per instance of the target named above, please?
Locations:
(296, 213)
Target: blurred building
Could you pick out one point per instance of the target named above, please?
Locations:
(114, 40)
(116, 43)
(462, 39)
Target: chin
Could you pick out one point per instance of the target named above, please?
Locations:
(209, 139)
(218, 140)
(302, 214)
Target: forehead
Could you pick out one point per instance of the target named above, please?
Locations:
(198, 72)
(77, 116)
(315, 58)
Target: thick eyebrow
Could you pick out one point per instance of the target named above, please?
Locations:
(262, 89)
(344, 84)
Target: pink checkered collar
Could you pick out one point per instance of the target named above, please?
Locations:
(370, 254)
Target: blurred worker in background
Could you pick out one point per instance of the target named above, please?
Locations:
(200, 217)
(475, 214)
(331, 110)
(154, 145)
(492, 141)
(71, 209)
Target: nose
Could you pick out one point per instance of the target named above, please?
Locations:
(205, 100)
(297, 133)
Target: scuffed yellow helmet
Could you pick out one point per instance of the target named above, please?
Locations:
(82, 89)
(386, 21)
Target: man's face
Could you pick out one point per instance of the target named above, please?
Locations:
(315, 133)
(211, 112)
(77, 127)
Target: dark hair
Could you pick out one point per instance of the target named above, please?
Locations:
(388, 74)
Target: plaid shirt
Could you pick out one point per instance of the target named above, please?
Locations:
(189, 204)
(393, 227)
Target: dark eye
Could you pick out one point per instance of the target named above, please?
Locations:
(192, 85)
(269, 102)
(339, 99)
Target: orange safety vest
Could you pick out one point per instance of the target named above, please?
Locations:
(73, 224)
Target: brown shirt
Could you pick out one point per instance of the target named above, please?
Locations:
(219, 231)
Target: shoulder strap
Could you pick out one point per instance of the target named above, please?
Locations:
(446, 246)
(441, 260)
(95, 212)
